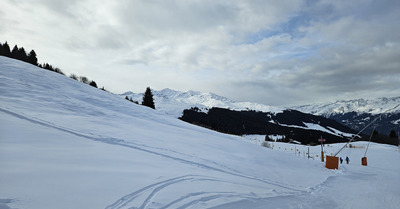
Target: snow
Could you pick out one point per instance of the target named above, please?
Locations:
(64, 144)
(313, 126)
(173, 102)
(396, 121)
(372, 106)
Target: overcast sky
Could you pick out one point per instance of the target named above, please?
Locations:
(277, 53)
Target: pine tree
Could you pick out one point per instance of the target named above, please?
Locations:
(2, 51)
(46, 66)
(6, 49)
(22, 55)
(375, 133)
(393, 134)
(32, 58)
(94, 84)
(14, 52)
(148, 99)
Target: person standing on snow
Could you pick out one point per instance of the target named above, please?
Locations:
(347, 160)
(341, 160)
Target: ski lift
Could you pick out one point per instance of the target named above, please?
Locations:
(364, 159)
(332, 162)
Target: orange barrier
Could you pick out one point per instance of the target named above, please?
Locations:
(332, 162)
(364, 161)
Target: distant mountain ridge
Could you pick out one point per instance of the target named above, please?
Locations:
(225, 115)
(371, 106)
(355, 114)
(358, 113)
(174, 102)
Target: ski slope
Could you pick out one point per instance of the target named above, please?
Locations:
(64, 144)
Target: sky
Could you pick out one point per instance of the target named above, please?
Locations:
(278, 53)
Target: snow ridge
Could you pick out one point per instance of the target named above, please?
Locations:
(174, 102)
(372, 106)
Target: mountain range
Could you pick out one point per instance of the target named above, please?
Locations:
(358, 113)
(371, 106)
(174, 102)
(355, 114)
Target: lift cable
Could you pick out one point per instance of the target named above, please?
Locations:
(352, 138)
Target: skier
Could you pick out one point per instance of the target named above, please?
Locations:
(347, 160)
(341, 160)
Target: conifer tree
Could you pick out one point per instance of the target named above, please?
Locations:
(5, 49)
(46, 66)
(148, 99)
(22, 55)
(393, 134)
(93, 83)
(2, 50)
(14, 52)
(32, 58)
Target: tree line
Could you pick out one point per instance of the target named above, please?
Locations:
(255, 122)
(377, 137)
(19, 53)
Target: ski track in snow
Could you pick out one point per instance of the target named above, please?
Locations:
(154, 189)
(212, 184)
(199, 197)
(185, 201)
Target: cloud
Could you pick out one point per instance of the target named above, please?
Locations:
(282, 52)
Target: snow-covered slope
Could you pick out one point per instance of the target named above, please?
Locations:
(174, 102)
(64, 144)
(372, 106)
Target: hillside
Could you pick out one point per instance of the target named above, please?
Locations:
(355, 114)
(64, 144)
(290, 124)
(174, 102)
(358, 113)
(218, 113)
(194, 107)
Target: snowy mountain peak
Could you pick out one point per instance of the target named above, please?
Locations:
(173, 102)
(372, 106)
